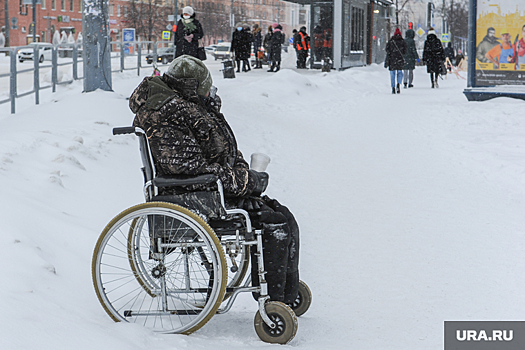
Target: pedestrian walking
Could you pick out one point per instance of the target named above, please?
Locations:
(433, 56)
(410, 59)
(276, 43)
(257, 43)
(302, 45)
(240, 47)
(189, 32)
(396, 48)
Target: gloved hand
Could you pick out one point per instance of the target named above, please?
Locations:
(261, 181)
(250, 203)
(418, 60)
(189, 38)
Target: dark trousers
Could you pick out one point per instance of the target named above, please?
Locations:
(281, 250)
(301, 58)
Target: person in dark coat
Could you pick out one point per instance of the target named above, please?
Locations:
(266, 43)
(189, 32)
(257, 43)
(396, 48)
(450, 54)
(189, 135)
(241, 46)
(433, 56)
(276, 44)
(301, 43)
(410, 59)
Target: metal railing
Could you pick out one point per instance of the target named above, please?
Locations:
(122, 51)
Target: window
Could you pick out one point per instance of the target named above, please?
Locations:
(111, 10)
(23, 9)
(302, 16)
(118, 10)
(63, 5)
(71, 6)
(125, 11)
(80, 5)
(43, 4)
(358, 29)
(53, 4)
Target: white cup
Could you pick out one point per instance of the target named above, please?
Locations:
(259, 161)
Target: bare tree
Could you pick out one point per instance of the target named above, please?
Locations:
(455, 13)
(148, 17)
(400, 8)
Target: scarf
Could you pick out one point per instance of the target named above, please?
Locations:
(189, 26)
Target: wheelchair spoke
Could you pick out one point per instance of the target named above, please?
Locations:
(175, 288)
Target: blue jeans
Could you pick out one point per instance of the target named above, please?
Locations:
(393, 77)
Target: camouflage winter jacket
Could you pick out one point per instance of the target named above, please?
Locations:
(187, 133)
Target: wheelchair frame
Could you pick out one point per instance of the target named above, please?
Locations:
(275, 322)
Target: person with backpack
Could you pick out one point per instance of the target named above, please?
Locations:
(396, 48)
(410, 59)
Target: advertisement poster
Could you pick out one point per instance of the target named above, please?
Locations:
(128, 34)
(500, 42)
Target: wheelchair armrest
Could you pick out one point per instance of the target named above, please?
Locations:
(171, 181)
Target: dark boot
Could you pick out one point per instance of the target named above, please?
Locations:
(398, 89)
(272, 67)
(410, 85)
(278, 67)
(394, 90)
(405, 85)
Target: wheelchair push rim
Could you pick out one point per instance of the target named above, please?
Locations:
(176, 289)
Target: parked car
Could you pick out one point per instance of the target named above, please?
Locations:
(45, 52)
(222, 51)
(164, 55)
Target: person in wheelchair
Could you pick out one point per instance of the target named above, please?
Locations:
(188, 135)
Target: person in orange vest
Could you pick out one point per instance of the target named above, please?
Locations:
(302, 45)
(318, 43)
(327, 45)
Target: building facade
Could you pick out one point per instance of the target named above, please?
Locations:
(149, 17)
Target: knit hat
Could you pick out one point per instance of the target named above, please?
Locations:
(397, 31)
(274, 25)
(431, 31)
(189, 67)
(188, 10)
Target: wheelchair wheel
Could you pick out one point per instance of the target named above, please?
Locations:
(302, 303)
(161, 266)
(283, 316)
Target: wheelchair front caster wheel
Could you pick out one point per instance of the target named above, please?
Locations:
(302, 303)
(285, 320)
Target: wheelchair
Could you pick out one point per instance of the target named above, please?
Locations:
(173, 262)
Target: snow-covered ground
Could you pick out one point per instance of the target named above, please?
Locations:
(411, 208)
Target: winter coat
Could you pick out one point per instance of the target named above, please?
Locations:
(183, 47)
(241, 44)
(449, 52)
(301, 41)
(187, 133)
(433, 54)
(275, 45)
(266, 41)
(411, 55)
(396, 48)
(485, 46)
(257, 39)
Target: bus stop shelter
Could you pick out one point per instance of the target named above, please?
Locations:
(348, 33)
